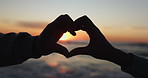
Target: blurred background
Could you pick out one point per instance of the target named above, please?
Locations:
(123, 22)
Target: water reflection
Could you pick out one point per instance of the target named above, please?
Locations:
(81, 66)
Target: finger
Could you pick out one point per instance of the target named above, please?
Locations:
(84, 23)
(78, 51)
(50, 28)
(64, 23)
(67, 23)
(78, 24)
(70, 24)
(73, 33)
(57, 28)
(61, 49)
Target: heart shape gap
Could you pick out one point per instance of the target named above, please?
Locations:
(72, 42)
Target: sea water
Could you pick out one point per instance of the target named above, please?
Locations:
(81, 66)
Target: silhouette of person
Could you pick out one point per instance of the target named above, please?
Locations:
(100, 48)
(17, 48)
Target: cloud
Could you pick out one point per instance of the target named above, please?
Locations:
(139, 27)
(6, 21)
(32, 24)
(126, 27)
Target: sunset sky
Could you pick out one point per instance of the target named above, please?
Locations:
(119, 20)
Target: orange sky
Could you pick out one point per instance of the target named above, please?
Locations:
(114, 34)
(119, 20)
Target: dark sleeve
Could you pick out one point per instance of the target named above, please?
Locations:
(16, 48)
(139, 68)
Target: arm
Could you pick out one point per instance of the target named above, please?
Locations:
(17, 48)
(100, 48)
(138, 68)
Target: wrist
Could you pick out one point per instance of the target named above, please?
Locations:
(120, 58)
(36, 52)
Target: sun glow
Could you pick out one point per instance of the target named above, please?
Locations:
(66, 36)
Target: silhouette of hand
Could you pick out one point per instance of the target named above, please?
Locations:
(98, 46)
(46, 42)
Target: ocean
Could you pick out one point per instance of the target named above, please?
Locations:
(80, 66)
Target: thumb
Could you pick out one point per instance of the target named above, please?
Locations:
(62, 50)
(78, 51)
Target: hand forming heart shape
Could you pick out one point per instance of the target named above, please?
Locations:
(46, 43)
